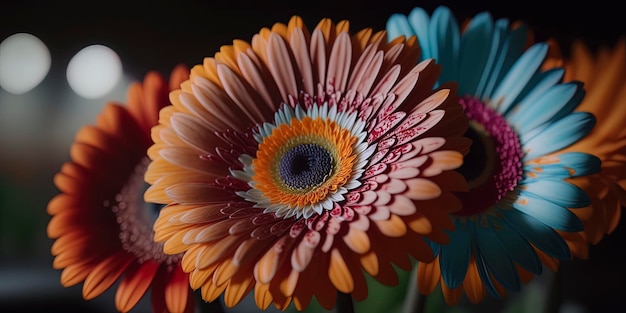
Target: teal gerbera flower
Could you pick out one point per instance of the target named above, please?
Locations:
(517, 216)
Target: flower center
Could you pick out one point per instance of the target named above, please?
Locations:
(493, 166)
(305, 161)
(136, 218)
(305, 166)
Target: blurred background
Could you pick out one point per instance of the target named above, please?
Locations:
(80, 55)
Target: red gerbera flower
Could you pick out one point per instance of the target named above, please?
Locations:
(101, 225)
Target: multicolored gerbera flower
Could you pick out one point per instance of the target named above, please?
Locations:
(293, 164)
(103, 229)
(604, 75)
(518, 214)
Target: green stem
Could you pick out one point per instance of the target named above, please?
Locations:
(344, 303)
(420, 305)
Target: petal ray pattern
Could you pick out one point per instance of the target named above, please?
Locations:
(299, 162)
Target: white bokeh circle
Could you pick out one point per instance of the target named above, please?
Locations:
(24, 63)
(94, 71)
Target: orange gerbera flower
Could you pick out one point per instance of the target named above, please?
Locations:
(101, 225)
(291, 164)
(604, 76)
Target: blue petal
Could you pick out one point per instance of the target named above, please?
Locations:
(483, 272)
(557, 191)
(513, 45)
(556, 103)
(539, 84)
(548, 212)
(445, 42)
(494, 71)
(518, 76)
(540, 235)
(571, 164)
(420, 22)
(398, 25)
(434, 246)
(542, 104)
(476, 54)
(557, 135)
(455, 257)
(518, 248)
(498, 263)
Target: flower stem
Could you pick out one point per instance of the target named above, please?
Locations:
(344, 303)
(420, 305)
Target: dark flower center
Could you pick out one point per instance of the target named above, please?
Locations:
(493, 166)
(305, 166)
(136, 219)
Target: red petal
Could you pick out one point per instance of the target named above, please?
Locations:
(105, 274)
(134, 285)
(178, 294)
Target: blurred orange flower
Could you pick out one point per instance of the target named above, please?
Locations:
(101, 225)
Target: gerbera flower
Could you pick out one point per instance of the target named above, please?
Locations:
(604, 75)
(292, 163)
(517, 216)
(101, 225)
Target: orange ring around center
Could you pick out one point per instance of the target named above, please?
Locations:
(338, 141)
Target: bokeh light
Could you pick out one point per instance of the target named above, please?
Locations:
(24, 63)
(94, 71)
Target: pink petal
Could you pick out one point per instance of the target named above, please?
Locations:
(188, 193)
(367, 69)
(240, 93)
(189, 159)
(193, 132)
(388, 81)
(299, 47)
(281, 69)
(432, 102)
(402, 206)
(222, 111)
(339, 63)
(303, 253)
(318, 56)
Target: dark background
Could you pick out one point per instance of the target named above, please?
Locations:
(159, 35)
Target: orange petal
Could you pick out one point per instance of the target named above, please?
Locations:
(262, 296)
(422, 189)
(428, 276)
(473, 284)
(75, 273)
(136, 281)
(339, 273)
(105, 274)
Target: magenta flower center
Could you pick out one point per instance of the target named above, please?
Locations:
(493, 166)
(136, 219)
